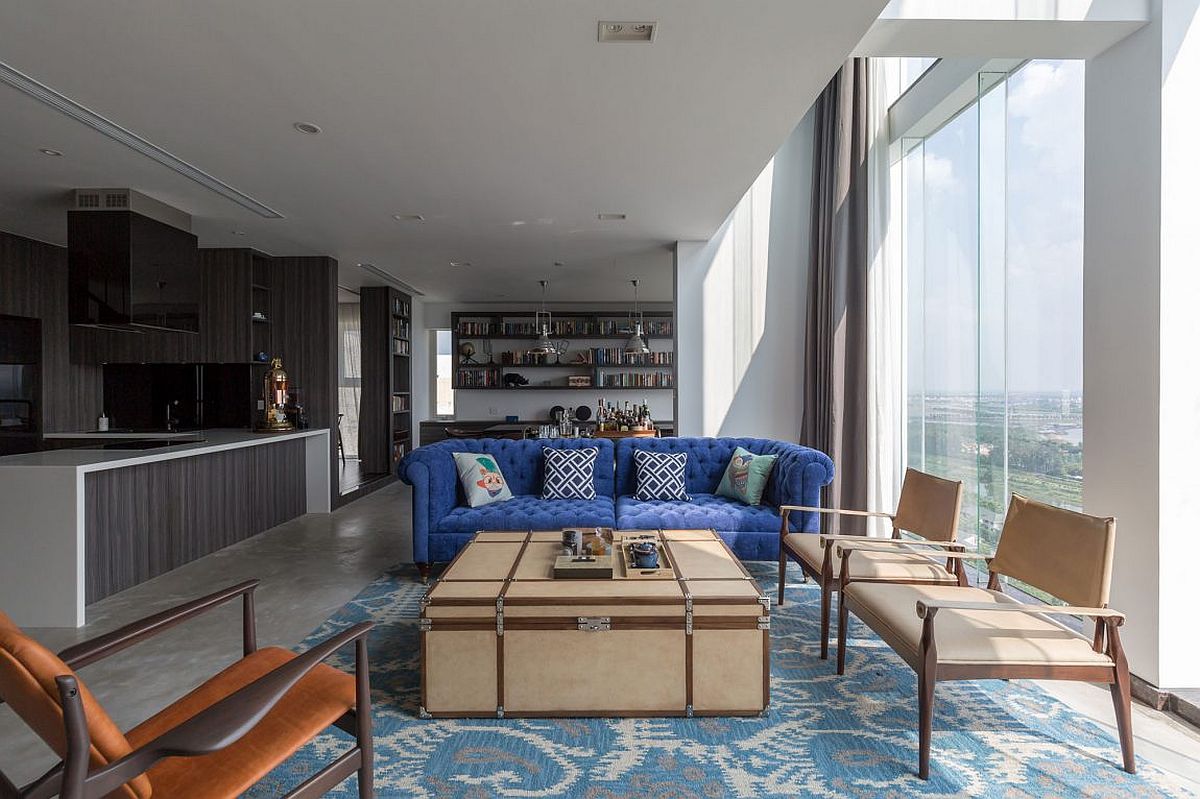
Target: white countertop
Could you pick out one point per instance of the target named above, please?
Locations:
(93, 460)
(117, 435)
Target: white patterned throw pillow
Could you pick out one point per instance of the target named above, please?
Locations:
(570, 473)
(660, 475)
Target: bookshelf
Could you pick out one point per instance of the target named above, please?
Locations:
(594, 357)
(385, 412)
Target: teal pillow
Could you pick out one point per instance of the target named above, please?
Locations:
(481, 478)
(746, 476)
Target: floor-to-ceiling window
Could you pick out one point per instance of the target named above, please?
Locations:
(992, 247)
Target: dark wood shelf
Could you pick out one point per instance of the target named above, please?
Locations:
(564, 388)
(564, 337)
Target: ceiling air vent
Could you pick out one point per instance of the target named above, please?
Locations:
(608, 31)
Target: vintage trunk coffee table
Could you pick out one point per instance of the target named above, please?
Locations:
(501, 637)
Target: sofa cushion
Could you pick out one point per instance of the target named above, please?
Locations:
(527, 512)
(482, 481)
(570, 473)
(705, 511)
(746, 476)
(660, 475)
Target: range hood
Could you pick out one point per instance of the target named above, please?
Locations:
(132, 262)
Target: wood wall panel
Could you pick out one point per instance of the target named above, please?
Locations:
(33, 283)
(142, 521)
(225, 305)
(304, 320)
(375, 403)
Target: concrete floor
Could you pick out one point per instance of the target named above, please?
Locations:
(309, 568)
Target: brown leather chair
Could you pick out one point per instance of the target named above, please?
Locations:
(983, 634)
(928, 511)
(215, 742)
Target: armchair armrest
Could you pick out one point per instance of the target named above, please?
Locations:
(102, 646)
(840, 511)
(927, 607)
(224, 723)
(844, 550)
(826, 540)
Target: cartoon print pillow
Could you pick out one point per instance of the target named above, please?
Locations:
(746, 476)
(481, 478)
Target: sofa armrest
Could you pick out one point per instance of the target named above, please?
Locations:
(431, 473)
(800, 474)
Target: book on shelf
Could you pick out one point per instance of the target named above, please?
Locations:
(401, 307)
(401, 347)
(400, 403)
(401, 328)
(477, 377)
(638, 380)
(564, 327)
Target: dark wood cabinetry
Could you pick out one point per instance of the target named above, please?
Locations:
(385, 420)
(33, 285)
(142, 521)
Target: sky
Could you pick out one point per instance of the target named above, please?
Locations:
(1001, 229)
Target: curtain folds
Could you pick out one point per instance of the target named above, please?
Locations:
(886, 456)
(836, 406)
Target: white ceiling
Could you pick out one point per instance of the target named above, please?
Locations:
(474, 114)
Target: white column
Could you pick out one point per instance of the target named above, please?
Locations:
(1141, 294)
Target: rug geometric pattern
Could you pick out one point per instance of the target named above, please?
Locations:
(824, 735)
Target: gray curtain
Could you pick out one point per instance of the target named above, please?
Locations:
(835, 358)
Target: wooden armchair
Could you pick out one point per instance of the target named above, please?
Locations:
(928, 510)
(215, 742)
(952, 633)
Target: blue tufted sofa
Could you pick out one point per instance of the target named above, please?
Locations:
(443, 523)
(752, 532)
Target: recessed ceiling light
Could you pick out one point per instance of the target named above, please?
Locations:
(559, 263)
(48, 151)
(518, 223)
(408, 217)
(307, 127)
(625, 31)
(611, 217)
(460, 263)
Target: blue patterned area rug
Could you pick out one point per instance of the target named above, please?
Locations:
(825, 736)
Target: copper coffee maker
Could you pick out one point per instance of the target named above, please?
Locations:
(275, 398)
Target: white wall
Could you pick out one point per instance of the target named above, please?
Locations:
(1141, 288)
(740, 301)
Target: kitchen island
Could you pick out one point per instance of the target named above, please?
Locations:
(77, 525)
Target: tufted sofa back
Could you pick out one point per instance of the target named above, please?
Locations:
(521, 462)
(708, 457)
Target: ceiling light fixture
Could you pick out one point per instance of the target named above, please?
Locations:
(48, 151)
(518, 223)
(636, 345)
(65, 105)
(408, 217)
(559, 263)
(460, 264)
(543, 321)
(610, 32)
(612, 217)
(307, 128)
(388, 277)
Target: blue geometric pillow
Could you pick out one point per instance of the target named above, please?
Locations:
(660, 475)
(570, 473)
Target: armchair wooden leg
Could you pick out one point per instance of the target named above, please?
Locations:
(782, 572)
(423, 569)
(362, 713)
(843, 622)
(926, 679)
(1122, 701)
(826, 602)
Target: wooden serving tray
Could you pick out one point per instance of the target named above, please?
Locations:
(630, 571)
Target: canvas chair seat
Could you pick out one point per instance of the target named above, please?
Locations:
(903, 564)
(968, 636)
